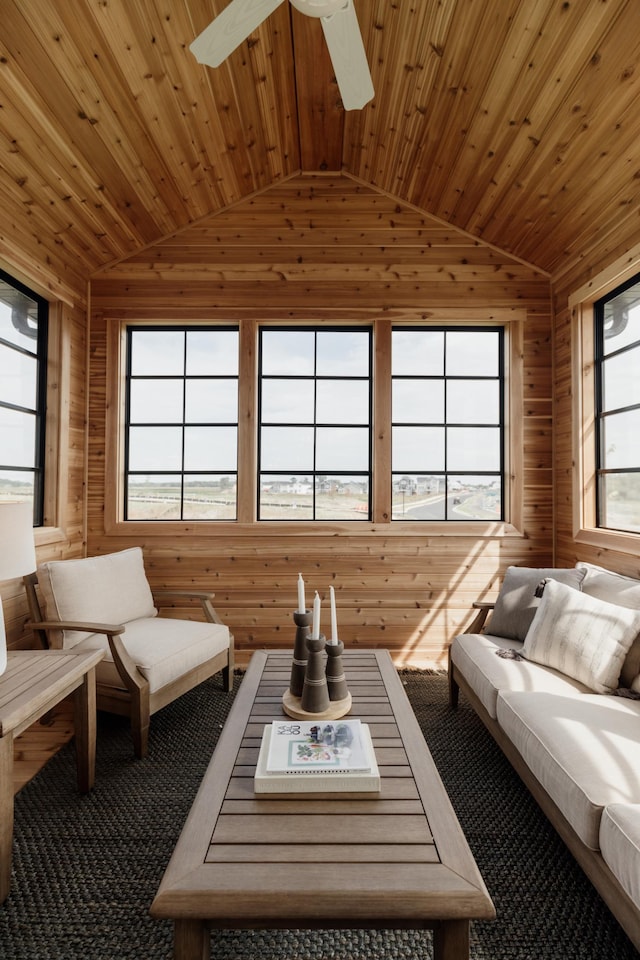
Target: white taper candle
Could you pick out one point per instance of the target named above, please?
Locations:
(315, 630)
(334, 619)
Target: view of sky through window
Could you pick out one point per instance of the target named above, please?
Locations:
(447, 432)
(22, 394)
(315, 414)
(182, 424)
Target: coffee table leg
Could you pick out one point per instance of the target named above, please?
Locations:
(451, 940)
(191, 940)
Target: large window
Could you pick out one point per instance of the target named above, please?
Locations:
(617, 390)
(182, 423)
(347, 425)
(447, 423)
(23, 364)
(314, 424)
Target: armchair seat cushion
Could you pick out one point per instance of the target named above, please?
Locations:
(162, 649)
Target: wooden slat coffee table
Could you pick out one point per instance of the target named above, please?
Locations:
(323, 861)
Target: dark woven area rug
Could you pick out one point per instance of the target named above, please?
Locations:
(87, 868)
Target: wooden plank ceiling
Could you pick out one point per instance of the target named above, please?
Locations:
(518, 122)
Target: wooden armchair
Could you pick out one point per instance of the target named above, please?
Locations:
(106, 603)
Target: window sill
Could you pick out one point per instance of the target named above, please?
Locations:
(44, 535)
(477, 529)
(608, 539)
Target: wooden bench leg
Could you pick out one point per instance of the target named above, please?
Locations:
(454, 689)
(6, 814)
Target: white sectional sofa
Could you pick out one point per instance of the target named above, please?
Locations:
(556, 680)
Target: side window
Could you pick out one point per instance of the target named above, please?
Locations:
(617, 408)
(23, 366)
(447, 431)
(314, 459)
(181, 446)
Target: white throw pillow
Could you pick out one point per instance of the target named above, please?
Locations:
(581, 636)
(625, 591)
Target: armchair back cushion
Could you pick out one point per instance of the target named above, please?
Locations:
(109, 589)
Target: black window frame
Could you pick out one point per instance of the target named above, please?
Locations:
(446, 329)
(183, 328)
(600, 413)
(40, 410)
(314, 473)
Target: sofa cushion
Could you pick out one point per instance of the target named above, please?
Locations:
(109, 589)
(625, 591)
(475, 655)
(584, 751)
(581, 636)
(517, 603)
(620, 845)
(162, 649)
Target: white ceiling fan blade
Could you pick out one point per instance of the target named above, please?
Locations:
(230, 28)
(346, 49)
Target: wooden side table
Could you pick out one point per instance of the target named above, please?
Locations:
(33, 683)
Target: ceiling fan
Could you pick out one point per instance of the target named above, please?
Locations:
(341, 32)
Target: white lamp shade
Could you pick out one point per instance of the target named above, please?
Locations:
(17, 552)
(17, 548)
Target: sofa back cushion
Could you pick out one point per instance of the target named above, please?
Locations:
(625, 591)
(517, 601)
(109, 589)
(581, 636)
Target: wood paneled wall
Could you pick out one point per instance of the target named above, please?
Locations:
(331, 247)
(609, 257)
(63, 534)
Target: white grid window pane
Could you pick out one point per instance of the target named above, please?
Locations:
(156, 401)
(418, 448)
(153, 449)
(469, 448)
(342, 448)
(287, 448)
(210, 448)
(211, 401)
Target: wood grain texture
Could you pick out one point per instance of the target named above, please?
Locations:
(501, 135)
(409, 590)
(249, 864)
(515, 122)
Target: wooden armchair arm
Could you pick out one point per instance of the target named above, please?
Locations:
(128, 671)
(110, 629)
(484, 608)
(203, 596)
